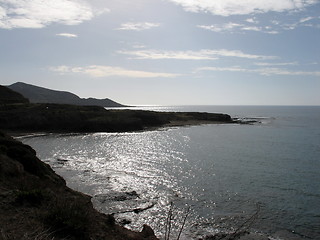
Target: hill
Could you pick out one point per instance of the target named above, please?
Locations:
(8, 96)
(44, 95)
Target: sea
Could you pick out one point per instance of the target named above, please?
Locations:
(197, 181)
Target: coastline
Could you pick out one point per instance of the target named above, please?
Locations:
(17, 118)
(41, 183)
(36, 203)
(179, 123)
(30, 189)
(243, 235)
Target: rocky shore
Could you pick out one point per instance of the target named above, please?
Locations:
(35, 202)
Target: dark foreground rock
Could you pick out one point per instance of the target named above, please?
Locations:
(71, 118)
(36, 204)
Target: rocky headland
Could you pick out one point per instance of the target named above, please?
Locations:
(27, 117)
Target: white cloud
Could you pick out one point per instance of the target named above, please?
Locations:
(272, 32)
(276, 64)
(236, 7)
(261, 71)
(251, 28)
(138, 26)
(181, 55)
(222, 69)
(240, 54)
(40, 13)
(252, 20)
(204, 54)
(61, 69)
(291, 26)
(98, 71)
(227, 27)
(275, 22)
(67, 35)
(2, 12)
(236, 28)
(251, 24)
(279, 71)
(310, 21)
(306, 19)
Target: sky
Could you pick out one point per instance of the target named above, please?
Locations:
(166, 52)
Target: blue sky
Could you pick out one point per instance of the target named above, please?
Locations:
(166, 52)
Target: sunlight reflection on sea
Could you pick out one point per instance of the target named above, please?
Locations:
(221, 171)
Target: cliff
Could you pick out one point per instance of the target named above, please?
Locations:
(36, 204)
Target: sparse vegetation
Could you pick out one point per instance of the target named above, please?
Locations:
(173, 217)
(68, 219)
(32, 198)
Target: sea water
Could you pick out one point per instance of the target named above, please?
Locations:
(263, 177)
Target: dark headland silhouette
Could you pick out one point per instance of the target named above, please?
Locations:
(44, 95)
(22, 116)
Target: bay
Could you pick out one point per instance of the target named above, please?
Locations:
(225, 173)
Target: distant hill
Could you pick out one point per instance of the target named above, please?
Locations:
(43, 95)
(8, 96)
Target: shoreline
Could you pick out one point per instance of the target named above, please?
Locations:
(283, 235)
(253, 235)
(163, 121)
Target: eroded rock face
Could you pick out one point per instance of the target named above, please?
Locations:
(34, 201)
(26, 163)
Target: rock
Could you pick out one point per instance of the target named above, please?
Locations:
(147, 231)
(116, 196)
(254, 236)
(124, 222)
